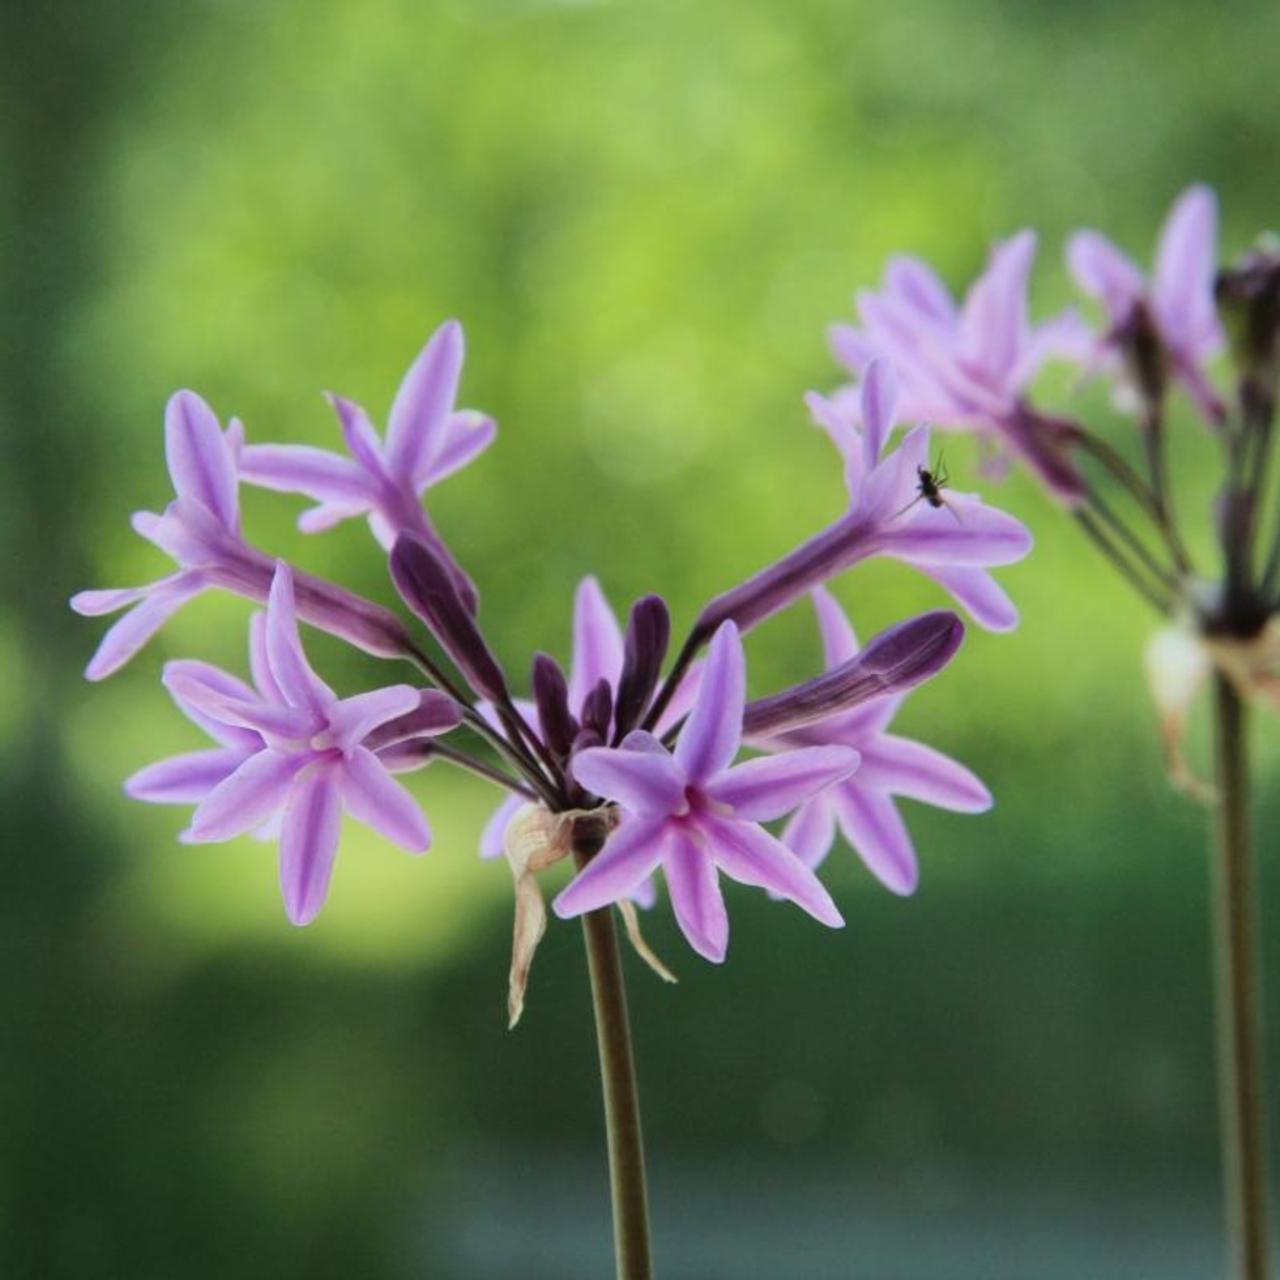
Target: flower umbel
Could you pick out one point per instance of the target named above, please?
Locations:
(693, 814)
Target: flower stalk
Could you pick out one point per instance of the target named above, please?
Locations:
(1241, 1094)
(627, 1185)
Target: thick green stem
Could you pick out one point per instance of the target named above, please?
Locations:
(1242, 1103)
(618, 1078)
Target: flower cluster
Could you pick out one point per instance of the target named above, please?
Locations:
(969, 367)
(641, 750)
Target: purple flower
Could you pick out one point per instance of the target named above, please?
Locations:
(694, 815)
(427, 440)
(907, 508)
(862, 803)
(968, 367)
(200, 530)
(599, 654)
(292, 753)
(954, 543)
(1178, 301)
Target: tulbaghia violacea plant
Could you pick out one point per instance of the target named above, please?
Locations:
(969, 368)
(628, 765)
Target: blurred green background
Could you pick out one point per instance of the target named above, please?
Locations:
(645, 215)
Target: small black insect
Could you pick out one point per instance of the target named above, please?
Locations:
(929, 488)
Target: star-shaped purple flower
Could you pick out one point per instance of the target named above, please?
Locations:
(862, 804)
(599, 654)
(861, 440)
(200, 530)
(968, 366)
(1178, 300)
(427, 440)
(954, 542)
(292, 753)
(693, 814)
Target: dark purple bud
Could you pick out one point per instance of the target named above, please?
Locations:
(427, 586)
(896, 660)
(1248, 295)
(551, 694)
(435, 713)
(597, 708)
(648, 634)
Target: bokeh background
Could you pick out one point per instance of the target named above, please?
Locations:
(645, 215)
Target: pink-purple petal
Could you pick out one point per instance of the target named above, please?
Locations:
(811, 831)
(199, 460)
(710, 737)
(766, 788)
(248, 797)
(839, 641)
(308, 845)
(1186, 259)
(749, 854)
(597, 643)
(977, 592)
(293, 674)
(423, 403)
(694, 890)
(127, 636)
(963, 531)
(466, 435)
(627, 859)
(184, 779)
(1104, 273)
(374, 797)
(906, 768)
(872, 824)
(318, 473)
(493, 837)
(879, 406)
(351, 720)
(644, 782)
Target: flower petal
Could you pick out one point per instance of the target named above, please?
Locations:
(198, 698)
(492, 839)
(218, 682)
(765, 788)
(598, 648)
(184, 779)
(1103, 272)
(694, 890)
(811, 831)
(872, 825)
(352, 719)
(259, 663)
(994, 319)
(977, 592)
(1186, 260)
(308, 845)
(359, 435)
(963, 531)
(199, 459)
(839, 641)
(906, 768)
(374, 797)
(293, 674)
(709, 740)
(646, 782)
(327, 515)
(466, 435)
(917, 284)
(93, 604)
(299, 468)
(629, 856)
(249, 796)
(749, 854)
(879, 405)
(127, 636)
(423, 403)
